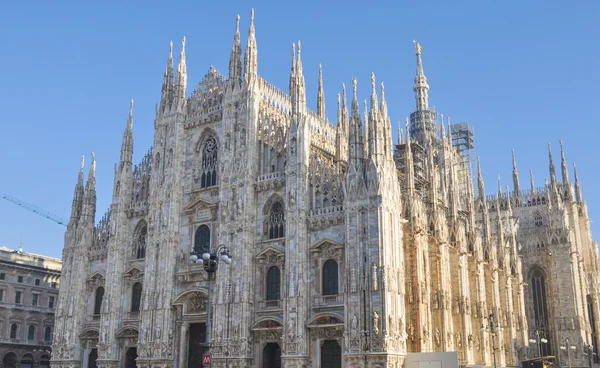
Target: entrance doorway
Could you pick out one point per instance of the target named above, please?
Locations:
(196, 344)
(130, 357)
(331, 354)
(92, 358)
(271, 356)
(10, 360)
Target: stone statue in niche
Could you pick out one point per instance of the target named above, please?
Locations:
(353, 286)
(292, 197)
(437, 337)
(374, 277)
(354, 327)
(375, 323)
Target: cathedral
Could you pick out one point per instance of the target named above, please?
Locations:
(332, 245)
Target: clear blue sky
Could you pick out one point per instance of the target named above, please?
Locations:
(522, 72)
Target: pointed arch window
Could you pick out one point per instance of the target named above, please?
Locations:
(537, 219)
(48, 334)
(273, 283)
(31, 333)
(540, 308)
(330, 278)
(140, 237)
(276, 221)
(14, 328)
(208, 177)
(136, 297)
(202, 239)
(98, 300)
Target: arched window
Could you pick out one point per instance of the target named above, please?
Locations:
(31, 333)
(276, 221)
(208, 176)
(140, 236)
(14, 328)
(540, 309)
(26, 361)
(273, 283)
(537, 218)
(48, 334)
(136, 297)
(330, 277)
(202, 239)
(98, 300)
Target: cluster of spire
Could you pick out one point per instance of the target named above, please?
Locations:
(83, 209)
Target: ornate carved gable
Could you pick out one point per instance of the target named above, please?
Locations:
(90, 334)
(134, 274)
(271, 255)
(328, 248)
(325, 320)
(269, 323)
(95, 281)
(201, 209)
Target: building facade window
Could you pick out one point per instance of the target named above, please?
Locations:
(14, 328)
(208, 176)
(276, 221)
(31, 333)
(37, 282)
(202, 239)
(273, 283)
(48, 334)
(330, 277)
(537, 219)
(20, 279)
(2, 276)
(18, 295)
(136, 297)
(98, 300)
(35, 299)
(140, 236)
(50, 302)
(1, 295)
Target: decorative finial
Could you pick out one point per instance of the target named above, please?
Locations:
(417, 47)
(82, 161)
(131, 107)
(354, 87)
(321, 69)
(293, 51)
(298, 50)
(382, 88)
(171, 48)
(237, 24)
(373, 81)
(183, 44)
(252, 15)
(93, 157)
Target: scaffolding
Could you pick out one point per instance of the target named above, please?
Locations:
(463, 141)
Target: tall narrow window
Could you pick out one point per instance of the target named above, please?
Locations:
(31, 333)
(98, 300)
(48, 334)
(202, 239)
(18, 295)
(14, 328)
(540, 309)
(592, 319)
(136, 297)
(273, 283)
(537, 218)
(330, 277)
(140, 236)
(276, 221)
(208, 177)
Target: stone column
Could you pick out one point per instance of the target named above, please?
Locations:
(183, 344)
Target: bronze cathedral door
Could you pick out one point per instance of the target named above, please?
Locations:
(331, 354)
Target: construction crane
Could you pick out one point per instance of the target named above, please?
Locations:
(37, 210)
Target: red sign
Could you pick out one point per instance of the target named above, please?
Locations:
(206, 360)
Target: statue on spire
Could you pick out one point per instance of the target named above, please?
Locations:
(417, 47)
(82, 161)
(131, 107)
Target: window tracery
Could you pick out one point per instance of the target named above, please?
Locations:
(202, 239)
(275, 223)
(273, 283)
(538, 221)
(139, 241)
(325, 182)
(208, 168)
(330, 278)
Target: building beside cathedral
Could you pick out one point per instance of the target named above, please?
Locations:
(348, 249)
(28, 294)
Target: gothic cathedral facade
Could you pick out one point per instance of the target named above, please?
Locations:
(348, 249)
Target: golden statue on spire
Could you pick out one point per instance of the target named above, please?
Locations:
(417, 47)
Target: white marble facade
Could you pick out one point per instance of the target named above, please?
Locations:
(348, 249)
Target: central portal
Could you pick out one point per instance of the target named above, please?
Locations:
(197, 344)
(331, 354)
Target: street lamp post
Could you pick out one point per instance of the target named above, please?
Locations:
(210, 260)
(492, 329)
(538, 341)
(567, 347)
